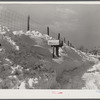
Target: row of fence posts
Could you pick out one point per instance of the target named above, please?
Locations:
(28, 28)
(48, 33)
(60, 45)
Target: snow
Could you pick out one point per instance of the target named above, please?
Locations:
(26, 63)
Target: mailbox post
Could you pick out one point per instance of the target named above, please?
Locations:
(57, 47)
(53, 43)
(53, 55)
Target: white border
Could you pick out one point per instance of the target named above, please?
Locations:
(49, 94)
(51, 2)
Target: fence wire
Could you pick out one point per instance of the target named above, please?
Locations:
(16, 21)
(13, 20)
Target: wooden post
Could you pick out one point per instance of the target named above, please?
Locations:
(57, 48)
(53, 53)
(28, 23)
(47, 30)
(58, 36)
(68, 43)
(64, 40)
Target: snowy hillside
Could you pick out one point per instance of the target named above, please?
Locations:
(26, 63)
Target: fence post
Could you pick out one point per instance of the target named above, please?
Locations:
(47, 30)
(68, 43)
(64, 40)
(28, 23)
(58, 36)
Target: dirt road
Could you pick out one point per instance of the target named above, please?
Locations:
(84, 77)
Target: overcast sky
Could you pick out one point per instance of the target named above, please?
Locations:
(80, 24)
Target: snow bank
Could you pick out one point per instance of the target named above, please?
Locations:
(24, 58)
(26, 61)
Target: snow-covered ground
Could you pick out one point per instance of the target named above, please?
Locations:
(26, 63)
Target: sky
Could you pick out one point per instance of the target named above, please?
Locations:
(78, 23)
